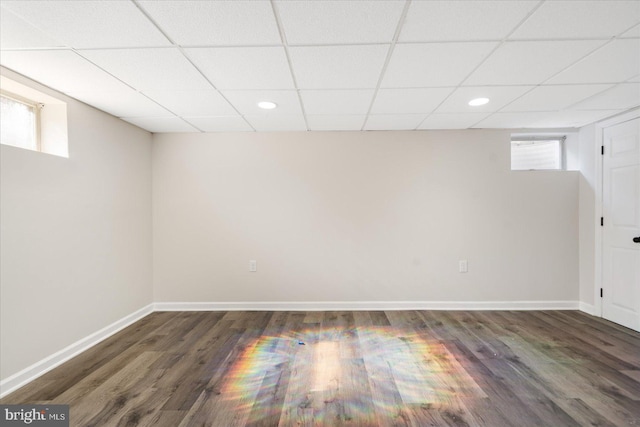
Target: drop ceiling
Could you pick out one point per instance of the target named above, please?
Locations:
(202, 66)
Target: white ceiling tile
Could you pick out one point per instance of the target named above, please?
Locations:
(498, 96)
(463, 20)
(511, 120)
(550, 98)
(244, 67)
(161, 124)
(394, 121)
(452, 120)
(572, 118)
(16, 33)
(207, 102)
(529, 62)
(579, 19)
(337, 52)
(433, 64)
(620, 97)
(409, 101)
(220, 124)
(149, 69)
(339, 22)
(215, 23)
(246, 101)
(277, 122)
(90, 24)
(338, 67)
(337, 101)
(122, 103)
(62, 70)
(615, 62)
(335, 122)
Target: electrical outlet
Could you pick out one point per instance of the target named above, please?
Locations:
(463, 266)
(253, 266)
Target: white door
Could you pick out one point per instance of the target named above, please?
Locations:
(621, 210)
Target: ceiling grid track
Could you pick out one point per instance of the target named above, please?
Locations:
(396, 35)
(285, 45)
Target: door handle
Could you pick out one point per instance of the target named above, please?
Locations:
(636, 239)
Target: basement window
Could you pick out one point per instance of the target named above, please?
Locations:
(536, 153)
(20, 125)
(32, 120)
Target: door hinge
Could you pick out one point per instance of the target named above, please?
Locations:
(601, 221)
(600, 292)
(602, 150)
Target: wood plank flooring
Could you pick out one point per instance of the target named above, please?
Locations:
(393, 368)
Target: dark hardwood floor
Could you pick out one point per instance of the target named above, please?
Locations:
(393, 368)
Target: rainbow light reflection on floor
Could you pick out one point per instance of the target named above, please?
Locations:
(357, 374)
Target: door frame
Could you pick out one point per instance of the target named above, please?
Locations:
(599, 249)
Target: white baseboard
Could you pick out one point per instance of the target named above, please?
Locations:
(587, 308)
(32, 372)
(365, 305)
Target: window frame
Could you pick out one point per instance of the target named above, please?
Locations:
(535, 138)
(37, 106)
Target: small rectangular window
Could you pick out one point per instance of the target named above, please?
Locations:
(19, 126)
(32, 120)
(537, 154)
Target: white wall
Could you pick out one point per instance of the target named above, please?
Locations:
(587, 213)
(75, 235)
(572, 151)
(363, 216)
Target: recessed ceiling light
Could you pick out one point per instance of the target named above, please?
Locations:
(267, 105)
(478, 101)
